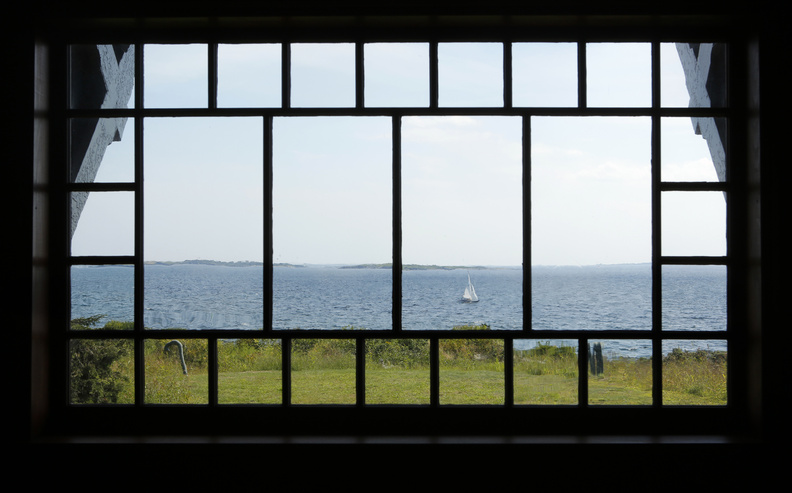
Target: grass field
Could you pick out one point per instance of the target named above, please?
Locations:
(323, 371)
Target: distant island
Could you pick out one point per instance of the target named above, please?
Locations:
(239, 263)
(250, 263)
(412, 267)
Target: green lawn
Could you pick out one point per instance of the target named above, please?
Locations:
(323, 372)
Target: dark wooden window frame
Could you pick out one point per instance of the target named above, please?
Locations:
(500, 421)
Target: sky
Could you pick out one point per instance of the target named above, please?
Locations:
(462, 179)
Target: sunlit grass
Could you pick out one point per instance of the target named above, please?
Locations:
(323, 371)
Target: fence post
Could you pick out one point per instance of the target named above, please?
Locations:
(595, 359)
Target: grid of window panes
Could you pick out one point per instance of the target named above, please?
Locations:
(282, 224)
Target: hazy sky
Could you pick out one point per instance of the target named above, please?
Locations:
(462, 180)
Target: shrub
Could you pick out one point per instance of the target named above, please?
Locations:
(95, 370)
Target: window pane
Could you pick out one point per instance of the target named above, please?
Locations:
(332, 223)
(673, 86)
(462, 215)
(470, 74)
(176, 76)
(620, 372)
(694, 223)
(397, 371)
(694, 297)
(619, 74)
(204, 213)
(101, 371)
(102, 150)
(591, 223)
(249, 75)
(695, 373)
(323, 75)
(471, 371)
(545, 372)
(397, 74)
(249, 371)
(103, 223)
(686, 155)
(102, 76)
(323, 371)
(176, 371)
(103, 296)
(544, 74)
(703, 67)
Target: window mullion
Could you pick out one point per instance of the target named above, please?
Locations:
(360, 371)
(434, 372)
(582, 86)
(434, 86)
(286, 75)
(212, 75)
(508, 372)
(360, 75)
(267, 278)
(139, 279)
(526, 222)
(397, 219)
(583, 371)
(507, 74)
(286, 353)
(657, 272)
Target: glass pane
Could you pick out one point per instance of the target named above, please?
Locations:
(471, 371)
(332, 227)
(694, 297)
(249, 75)
(102, 296)
(470, 74)
(176, 76)
(176, 371)
(397, 371)
(323, 75)
(249, 371)
(204, 223)
(102, 150)
(686, 155)
(323, 371)
(619, 74)
(695, 373)
(545, 372)
(620, 372)
(397, 74)
(102, 76)
(591, 223)
(103, 223)
(544, 74)
(694, 223)
(462, 216)
(101, 371)
(673, 86)
(703, 75)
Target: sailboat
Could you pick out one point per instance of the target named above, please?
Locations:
(470, 292)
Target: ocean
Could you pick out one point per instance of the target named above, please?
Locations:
(195, 296)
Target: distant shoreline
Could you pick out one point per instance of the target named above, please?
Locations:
(240, 263)
(251, 263)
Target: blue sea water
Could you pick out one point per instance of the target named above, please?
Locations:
(582, 298)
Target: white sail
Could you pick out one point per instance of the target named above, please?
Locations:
(470, 292)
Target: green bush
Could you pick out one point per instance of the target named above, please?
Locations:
(96, 369)
(405, 353)
(249, 355)
(469, 350)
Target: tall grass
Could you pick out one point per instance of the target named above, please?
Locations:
(397, 371)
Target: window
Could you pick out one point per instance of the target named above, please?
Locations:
(447, 157)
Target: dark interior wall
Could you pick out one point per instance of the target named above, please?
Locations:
(708, 464)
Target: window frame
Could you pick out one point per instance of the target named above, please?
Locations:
(508, 420)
